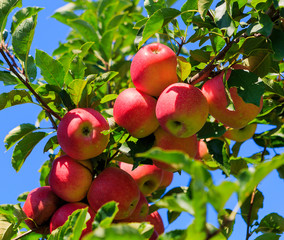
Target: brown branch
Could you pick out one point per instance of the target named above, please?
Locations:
(23, 235)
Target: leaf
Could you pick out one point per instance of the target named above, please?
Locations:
(270, 139)
(108, 98)
(277, 38)
(44, 173)
(159, 19)
(268, 236)
(173, 235)
(200, 55)
(250, 88)
(17, 134)
(105, 215)
(184, 68)
(225, 225)
(273, 86)
(51, 144)
(101, 79)
(203, 7)
(22, 38)
(264, 26)
(14, 97)
(24, 147)
(107, 43)
(223, 19)
(272, 222)
(6, 230)
(51, 69)
(152, 6)
(188, 9)
(7, 78)
(31, 68)
(211, 129)
(6, 7)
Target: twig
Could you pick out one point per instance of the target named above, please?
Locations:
(23, 235)
(180, 45)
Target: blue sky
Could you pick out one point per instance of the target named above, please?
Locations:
(47, 36)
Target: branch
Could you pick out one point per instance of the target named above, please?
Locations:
(23, 235)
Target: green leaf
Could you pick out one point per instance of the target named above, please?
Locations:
(188, 9)
(105, 215)
(24, 147)
(277, 38)
(250, 88)
(31, 68)
(108, 98)
(223, 19)
(51, 144)
(264, 26)
(7, 78)
(211, 129)
(173, 235)
(22, 38)
(225, 225)
(103, 78)
(51, 69)
(6, 7)
(23, 14)
(272, 222)
(273, 86)
(64, 16)
(270, 139)
(44, 173)
(268, 236)
(6, 230)
(200, 55)
(106, 43)
(159, 19)
(17, 134)
(203, 7)
(14, 97)
(152, 6)
(184, 68)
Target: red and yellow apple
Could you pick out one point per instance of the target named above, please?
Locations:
(166, 179)
(202, 151)
(69, 179)
(80, 134)
(114, 184)
(156, 220)
(135, 111)
(154, 68)
(182, 110)
(241, 134)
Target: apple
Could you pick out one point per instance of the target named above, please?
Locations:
(167, 141)
(182, 110)
(61, 215)
(153, 68)
(202, 151)
(156, 220)
(40, 205)
(69, 179)
(242, 134)
(154, 235)
(243, 113)
(140, 212)
(80, 134)
(114, 184)
(166, 179)
(148, 177)
(135, 111)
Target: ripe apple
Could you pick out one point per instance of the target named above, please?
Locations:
(148, 177)
(40, 205)
(156, 220)
(140, 212)
(154, 68)
(182, 109)
(80, 134)
(154, 235)
(166, 179)
(114, 184)
(202, 151)
(242, 134)
(69, 179)
(135, 111)
(243, 113)
(61, 215)
(167, 141)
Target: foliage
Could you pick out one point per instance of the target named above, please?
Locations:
(92, 67)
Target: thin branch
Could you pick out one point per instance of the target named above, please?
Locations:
(22, 235)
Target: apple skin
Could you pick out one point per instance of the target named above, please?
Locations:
(156, 220)
(153, 68)
(40, 205)
(242, 134)
(166, 179)
(154, 235)
(61, 215)
(135, 111)
(141, 211)
(147, 177)
(202, 151)
(79, 133)
(214, 91)
(69, 179)
(114, 184)
(182, 110)
(167, 141)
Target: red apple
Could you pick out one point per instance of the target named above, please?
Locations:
(242, 134)
(39, 207)
(154, 235)
(166, 179)
(148, 177)
(80, 134)
(114, 184)
(202, 151)
(167, 141)
(156, 220)
(70, 179)
(154, 68)
(182, 110)
(243, 113)
(135, 111)
(61, 215)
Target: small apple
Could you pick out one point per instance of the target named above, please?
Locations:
(182, 110)
(156, 220)
(167, 141)
(166, 179)
(154, 235)
(114, 184)
(242, 134)
(154, 68)
(61, 215)
(243, 113)
(40, 205)
(202, 151)
(135, 111)
(80, 134)
(148, 177)
(69, 179)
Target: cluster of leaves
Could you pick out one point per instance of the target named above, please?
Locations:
(92, 67)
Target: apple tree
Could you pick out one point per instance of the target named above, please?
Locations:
(229, 53)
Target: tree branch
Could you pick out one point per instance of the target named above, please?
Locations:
(23, 235)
